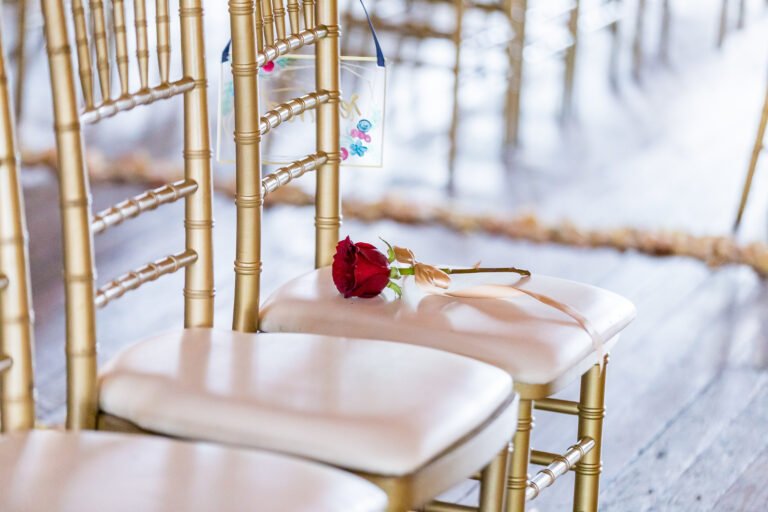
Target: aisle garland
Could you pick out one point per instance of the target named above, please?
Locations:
(715, 251)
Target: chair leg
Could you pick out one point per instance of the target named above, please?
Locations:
(493, 483)
(20, 57)
(591, 414)
(637, 43)
(666, 24)
(756, 150)
(517, 16)
(742, 14)
(723, 23)
(615, 29)
(570, 62)
(518, 478)
(454, 130)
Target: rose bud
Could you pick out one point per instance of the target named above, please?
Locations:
(359, 269)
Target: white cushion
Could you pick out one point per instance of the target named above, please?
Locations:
(380, 407)
(47, 471)
(534, 342)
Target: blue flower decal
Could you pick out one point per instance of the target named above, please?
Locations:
(364, 125)
(357, 149)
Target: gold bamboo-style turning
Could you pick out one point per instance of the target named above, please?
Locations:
(591, 414)
(288, 110)
(142, 44)
(247, 56)
(102, 48)
(248, 199)
(327, 186)
(20, 56)
(269, 21)
(163, 24)
(557, 405)
(285, 175)
(144, 202)
(142, 275)
(293, 16)
(83, 52)
(17, 407)
(559, 466)
(518, 466)
(259, 26)
(309, 12)
(121, 44)
(78, 226)
(142, 97)
(290, 44)
(279, 13)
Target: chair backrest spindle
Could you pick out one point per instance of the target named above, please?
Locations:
(121, 44)
(309, 13)
(17, 402)
(247, 56)
(102, 48)
(142, 44)
(279, 12)
(83, 52)
(269, 21)
(78, 223)
(163, 24)
(328, 190)
(245, 37)
(293, 16)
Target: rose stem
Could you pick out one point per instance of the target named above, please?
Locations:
(408, 271)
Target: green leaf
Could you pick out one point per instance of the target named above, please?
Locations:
(390, 251)
(396, 288)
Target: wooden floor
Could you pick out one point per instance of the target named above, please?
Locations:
(687, 397)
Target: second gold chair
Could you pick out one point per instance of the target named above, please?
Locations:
(57, 471)
(365, 406)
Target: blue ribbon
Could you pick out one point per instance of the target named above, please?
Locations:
(380, 60)
(225, 53)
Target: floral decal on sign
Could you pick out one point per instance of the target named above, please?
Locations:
(354, 143)
(270, 68)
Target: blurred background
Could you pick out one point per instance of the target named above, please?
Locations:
(562, 125)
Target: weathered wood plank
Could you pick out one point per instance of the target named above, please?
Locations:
(728, 456)
(749, 491)
(642, 485)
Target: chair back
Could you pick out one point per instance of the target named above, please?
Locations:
(260, 34)
(17, 403)
(79, 224)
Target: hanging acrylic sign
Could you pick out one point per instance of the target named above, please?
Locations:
(362, 109)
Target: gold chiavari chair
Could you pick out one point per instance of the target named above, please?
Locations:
(606, 15)
(52, 471)
(757, 150)
(361, 405)
(539, 345)
(724, 18)
(638, 41)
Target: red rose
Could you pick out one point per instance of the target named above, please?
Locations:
(359, 270)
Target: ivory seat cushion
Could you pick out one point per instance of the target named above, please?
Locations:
(379, 407)
(534, 342)
(47, 471)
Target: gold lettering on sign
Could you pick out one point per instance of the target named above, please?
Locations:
(348, 108)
